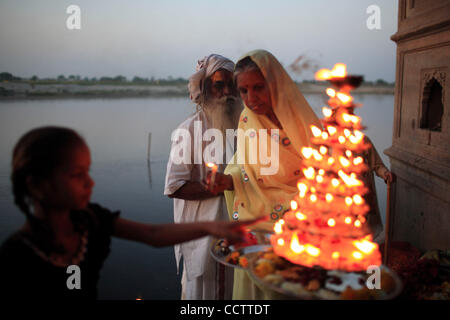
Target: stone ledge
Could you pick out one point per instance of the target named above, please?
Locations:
(428, 176)
(420, 32)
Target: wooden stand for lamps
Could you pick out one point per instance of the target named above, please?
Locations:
(387, 224)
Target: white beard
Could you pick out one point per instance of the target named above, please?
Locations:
(223, 113)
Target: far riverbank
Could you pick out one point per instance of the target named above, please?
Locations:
(23, 90)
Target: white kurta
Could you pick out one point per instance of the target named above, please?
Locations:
(201, 273)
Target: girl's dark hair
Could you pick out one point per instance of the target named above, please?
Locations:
(36, 155)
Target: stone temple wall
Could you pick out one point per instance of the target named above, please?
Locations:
(420, 152)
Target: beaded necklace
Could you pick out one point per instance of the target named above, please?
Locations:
(60, 261)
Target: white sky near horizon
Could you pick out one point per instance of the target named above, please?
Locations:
(166, 38)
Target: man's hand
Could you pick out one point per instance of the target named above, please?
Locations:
(222, 182)
(193, 190)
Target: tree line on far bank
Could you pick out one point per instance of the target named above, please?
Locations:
(77, 79)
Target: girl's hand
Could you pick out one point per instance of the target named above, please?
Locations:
(222, 182)
(234, 232)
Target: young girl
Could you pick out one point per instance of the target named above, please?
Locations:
(52, 187)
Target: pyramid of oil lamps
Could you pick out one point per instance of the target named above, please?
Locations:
(327, 224)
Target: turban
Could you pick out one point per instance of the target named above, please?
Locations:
(205, 69)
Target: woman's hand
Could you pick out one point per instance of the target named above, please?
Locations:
(222, 182)
(389, 177)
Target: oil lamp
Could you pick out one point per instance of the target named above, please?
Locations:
(326, 225)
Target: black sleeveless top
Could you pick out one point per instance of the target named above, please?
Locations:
(24, 274)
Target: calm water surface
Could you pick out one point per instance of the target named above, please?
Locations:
(117, 132)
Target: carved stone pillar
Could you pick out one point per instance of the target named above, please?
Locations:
(420, 152)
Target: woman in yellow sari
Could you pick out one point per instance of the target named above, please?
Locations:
(272, 102)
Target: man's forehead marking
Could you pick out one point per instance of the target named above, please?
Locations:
(221, 75)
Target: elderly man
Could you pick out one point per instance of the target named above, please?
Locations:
(212, 89)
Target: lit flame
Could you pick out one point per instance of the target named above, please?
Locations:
(323, 74)
(302, 188)
(331, 222)
(315, 131)
(365, 246)
(358, 134)
(335, 255)
(311, 250)
(347, 133)
(346, 117)
(280, 242)
(330, 161)
(332, 130)
(357, 199)
(328, 197)
(357, 137)
(211, 165)
(309, 173)
(348, 220)
(317, 156)
(344, 161)
(313, 198)
(357, 255)
(300, 216)
(331, 92)
(324, 135)
(358, 161)
(327, 112)
(348, 201)
(348, 153)
(307, 152)
(357, 223)
(341, 139)
(350, 118)
(344, 97)
(350, 181)
(278, 228)
(353, 139)
(294, 205)
(296, 247)
(323, 149)
(319, 179)
(335, 182)
(339, 71)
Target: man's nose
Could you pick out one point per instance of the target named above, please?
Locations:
(227, 90)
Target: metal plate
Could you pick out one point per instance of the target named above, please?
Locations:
(322, 293)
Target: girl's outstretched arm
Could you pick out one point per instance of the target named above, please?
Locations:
(169, 234)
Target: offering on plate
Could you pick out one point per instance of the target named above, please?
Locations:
(237, 255)
(303, 282)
